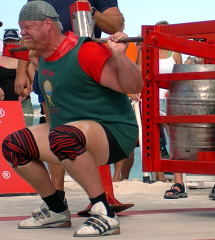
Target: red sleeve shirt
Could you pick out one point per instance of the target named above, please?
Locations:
(92, 57)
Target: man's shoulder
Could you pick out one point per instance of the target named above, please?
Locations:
(58, 4)
(102, 5)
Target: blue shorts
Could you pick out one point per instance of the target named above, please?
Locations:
(36, 88)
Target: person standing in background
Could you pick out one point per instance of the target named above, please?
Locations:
(108, 19)
(8, 67)
(167, 59)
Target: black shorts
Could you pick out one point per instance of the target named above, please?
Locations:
(115, 151)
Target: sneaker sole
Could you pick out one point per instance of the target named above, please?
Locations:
(51, 225)
(109, 232)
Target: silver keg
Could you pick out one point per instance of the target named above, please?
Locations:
(191, 97)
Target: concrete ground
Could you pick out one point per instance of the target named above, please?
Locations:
(151, 218)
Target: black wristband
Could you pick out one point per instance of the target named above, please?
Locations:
(93, 10)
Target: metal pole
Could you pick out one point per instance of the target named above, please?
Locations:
(98, 40)
(123, 40)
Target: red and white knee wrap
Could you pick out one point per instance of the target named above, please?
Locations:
(67, 142)
(19, 148)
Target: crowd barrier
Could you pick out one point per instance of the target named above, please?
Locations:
(11, 119)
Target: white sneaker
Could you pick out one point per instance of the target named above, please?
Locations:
(47, 219)
(39, 209)
(44, 205)
(98, 224)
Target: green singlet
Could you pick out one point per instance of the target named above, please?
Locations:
(71, 95)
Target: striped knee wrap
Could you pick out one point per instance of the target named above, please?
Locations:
(67, 142)
(19, 148)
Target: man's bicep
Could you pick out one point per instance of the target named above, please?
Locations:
(109, 76)
(102, 5)
(113, 11)
(115, 15)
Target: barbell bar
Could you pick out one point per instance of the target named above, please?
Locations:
(98, 40)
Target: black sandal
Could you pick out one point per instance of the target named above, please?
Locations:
(175, 194)
(212, 193)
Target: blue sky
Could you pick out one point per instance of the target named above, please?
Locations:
(136, 12)
(148, 12)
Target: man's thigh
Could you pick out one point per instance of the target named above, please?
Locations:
(41, 133)
(96, 140)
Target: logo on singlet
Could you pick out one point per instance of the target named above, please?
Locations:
(48, 90)
(2, 112)
(6, 175)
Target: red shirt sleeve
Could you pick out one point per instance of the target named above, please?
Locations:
(92, 57)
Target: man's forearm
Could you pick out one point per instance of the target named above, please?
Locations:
(22, 67)
(110, 21)
(22, 84)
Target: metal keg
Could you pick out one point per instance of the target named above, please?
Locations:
(191, 97)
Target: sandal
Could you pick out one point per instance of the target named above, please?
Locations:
(212, 193)
(175, 194)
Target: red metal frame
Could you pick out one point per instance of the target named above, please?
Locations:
(175, 37)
